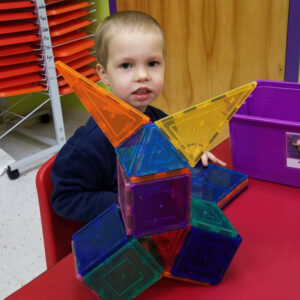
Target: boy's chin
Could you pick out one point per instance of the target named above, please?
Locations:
(141, 108)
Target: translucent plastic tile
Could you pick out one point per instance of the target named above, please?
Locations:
(209, 216)
(222, 177)
(154, 206)
(198, 170)
(148, 244)
(204, 191)
(168, 245)
(217, 184)
(205, 256)
(192, 130)
(233, 194)
(117, 119)
(124, 198)
(155, 176)
(160, 205)
(158, 154)
(99, 239)
(126, 274)
(129, 152)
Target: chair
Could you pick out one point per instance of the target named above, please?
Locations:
(57, 231)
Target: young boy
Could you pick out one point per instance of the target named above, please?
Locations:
(131, 61)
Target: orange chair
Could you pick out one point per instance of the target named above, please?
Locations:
(57, 231)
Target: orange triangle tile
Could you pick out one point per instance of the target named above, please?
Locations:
(117, 119)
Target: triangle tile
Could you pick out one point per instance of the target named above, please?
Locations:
(117, 119)
(158, 155)
(129, 152)
(192, 130)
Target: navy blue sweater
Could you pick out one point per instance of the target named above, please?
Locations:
(84, 174)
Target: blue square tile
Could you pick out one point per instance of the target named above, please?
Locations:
(99, 239)
(207, 192)
(223, 178)
(205, 256)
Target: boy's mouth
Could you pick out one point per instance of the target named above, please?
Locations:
(141, 91)
(142, 94)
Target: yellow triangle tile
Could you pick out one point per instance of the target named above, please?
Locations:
(192, 130)
(117, 119)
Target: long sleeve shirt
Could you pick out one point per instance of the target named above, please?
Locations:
(84, 173)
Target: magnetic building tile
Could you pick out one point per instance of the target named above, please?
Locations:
(154, 206)
(192, 130)
(127, 273)
(168, 245)
(208, 215)
(204, 191)
(129, 151)
(205, 256)
(158, 154)
(222, 177)
(99, 239)
(117, 119)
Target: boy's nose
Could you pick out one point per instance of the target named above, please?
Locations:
(141, 74)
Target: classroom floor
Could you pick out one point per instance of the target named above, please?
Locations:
(22, 255)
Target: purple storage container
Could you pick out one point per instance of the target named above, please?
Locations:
(265, 133)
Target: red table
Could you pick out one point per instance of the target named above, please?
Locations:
(266, 266)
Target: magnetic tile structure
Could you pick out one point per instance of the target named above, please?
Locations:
(202, 252)
(164, 193)
(110, 263)
(217, 184)
(155, 205)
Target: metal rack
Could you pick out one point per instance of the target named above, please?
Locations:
(51, 94)
(53, 97)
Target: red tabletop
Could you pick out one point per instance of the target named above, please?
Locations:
(266, 266)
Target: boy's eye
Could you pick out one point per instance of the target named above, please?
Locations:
(125, 66)
(153, 63)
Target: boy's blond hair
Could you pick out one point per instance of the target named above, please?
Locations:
(124, 20)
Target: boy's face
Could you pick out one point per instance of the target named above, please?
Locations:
(135, 67)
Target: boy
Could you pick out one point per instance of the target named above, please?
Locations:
(131, 61)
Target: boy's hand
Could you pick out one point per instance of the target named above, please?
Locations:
(209, 156)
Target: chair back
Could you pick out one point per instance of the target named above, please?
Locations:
(57, 231)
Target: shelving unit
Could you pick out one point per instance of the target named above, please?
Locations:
(53, 32)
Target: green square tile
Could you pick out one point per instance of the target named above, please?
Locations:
(207, 215)
(126, 274)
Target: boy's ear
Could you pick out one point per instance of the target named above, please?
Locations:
(102, 74)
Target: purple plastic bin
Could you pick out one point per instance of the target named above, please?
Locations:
(265, 132)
